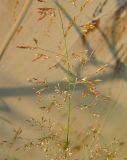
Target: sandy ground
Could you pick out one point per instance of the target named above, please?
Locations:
(18, 100)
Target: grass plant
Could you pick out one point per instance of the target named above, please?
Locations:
(90, 143)
(69, 81)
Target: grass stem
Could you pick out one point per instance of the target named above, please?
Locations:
(69, 82)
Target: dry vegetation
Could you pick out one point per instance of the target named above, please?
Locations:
(62, 142)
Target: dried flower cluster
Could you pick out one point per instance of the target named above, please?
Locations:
(44, 12)
(89, 27)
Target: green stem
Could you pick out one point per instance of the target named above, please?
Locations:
(69, 82)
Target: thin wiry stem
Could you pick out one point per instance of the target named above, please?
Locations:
(69, 81)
